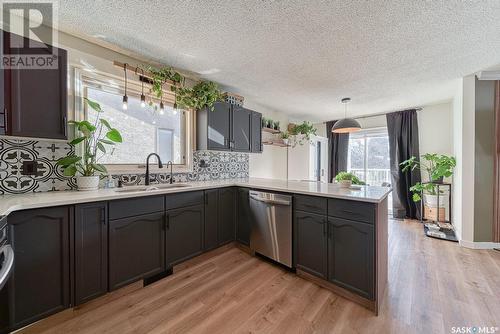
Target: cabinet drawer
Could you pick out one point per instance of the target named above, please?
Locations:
(180, 200)
(135, 206)
(311, 204)
(352, 210)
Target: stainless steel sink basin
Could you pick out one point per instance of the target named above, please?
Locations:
(156, 187)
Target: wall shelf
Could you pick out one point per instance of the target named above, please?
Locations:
(275, 144)
(271, 130)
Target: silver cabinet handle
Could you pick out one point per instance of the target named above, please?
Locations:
(7, 264)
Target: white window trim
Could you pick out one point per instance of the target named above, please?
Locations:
(190, 130)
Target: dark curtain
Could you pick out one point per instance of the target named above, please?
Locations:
(338, 144)
(403, 144)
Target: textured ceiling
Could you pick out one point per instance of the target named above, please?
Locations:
(301, 57)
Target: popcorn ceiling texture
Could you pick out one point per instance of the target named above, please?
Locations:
(301, 57)
(219, 165)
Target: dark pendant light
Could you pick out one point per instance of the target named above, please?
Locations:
(346, 125)
(125, 97)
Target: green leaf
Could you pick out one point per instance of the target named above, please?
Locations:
(105, 141)
(70, 171)
(114, 135)
(100, 168)
(105, 123)
(101, 147)
(77, 140)
(69, 160)
(416, 197)
(94, 105)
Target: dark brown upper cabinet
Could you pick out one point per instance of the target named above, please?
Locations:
(33, 102)
(229, 128)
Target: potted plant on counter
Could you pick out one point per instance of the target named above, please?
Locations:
(95, 139)
(437, 168)
(346, 179)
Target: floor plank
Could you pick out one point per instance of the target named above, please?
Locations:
(433, 285)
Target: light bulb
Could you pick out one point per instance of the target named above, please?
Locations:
(125, 102)
(143, 101)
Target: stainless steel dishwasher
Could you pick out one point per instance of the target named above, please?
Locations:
(271, 226)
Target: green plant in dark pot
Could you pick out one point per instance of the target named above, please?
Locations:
(96, 139)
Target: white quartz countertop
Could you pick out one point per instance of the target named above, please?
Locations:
(10, 203)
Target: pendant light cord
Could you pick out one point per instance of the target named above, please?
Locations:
(125, 71)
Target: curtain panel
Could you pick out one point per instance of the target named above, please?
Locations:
(402, 128)
(338, 145)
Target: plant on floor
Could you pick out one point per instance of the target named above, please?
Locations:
(346, 176)
(203, 94)
(437, 167)
(95, 139)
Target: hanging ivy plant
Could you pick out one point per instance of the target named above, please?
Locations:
(203, 94)
(160, 76)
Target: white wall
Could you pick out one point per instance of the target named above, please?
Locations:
(435, 129)
(272, 162)
(458, 153)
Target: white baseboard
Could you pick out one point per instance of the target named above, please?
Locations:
(479, 245)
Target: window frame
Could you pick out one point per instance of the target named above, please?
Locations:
(81, 76)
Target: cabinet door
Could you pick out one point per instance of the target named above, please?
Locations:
(211, 218)
(184, 233)
(91, 251)
(37, 99)
(256, 134)
(244, 217)
(136, 248)
(351, 255)
(40, 283)
(311, 243)
(219, 127)
(227, 215)
(242, 119)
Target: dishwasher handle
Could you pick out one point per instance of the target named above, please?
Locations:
(270, 201)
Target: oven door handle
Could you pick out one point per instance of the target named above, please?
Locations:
(7, 265)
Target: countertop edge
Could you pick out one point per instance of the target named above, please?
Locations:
(111, 194)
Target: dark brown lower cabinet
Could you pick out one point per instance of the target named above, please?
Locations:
(227, 215)
(184, 233)
(91, 251)
(351, 255)
(40, 283)
(311, 243)
(244, 217)
(211, 218)
(136, 248)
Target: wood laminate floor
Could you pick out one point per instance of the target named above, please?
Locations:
(433, 286)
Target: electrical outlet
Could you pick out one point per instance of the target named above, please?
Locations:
(30, 167)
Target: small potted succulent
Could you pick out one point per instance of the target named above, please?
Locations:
(276, 125)
(95, 139)
(285, 136)
(269, 123)
(264, 122)
(346, 179)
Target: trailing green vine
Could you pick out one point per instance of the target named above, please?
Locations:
(203, 94)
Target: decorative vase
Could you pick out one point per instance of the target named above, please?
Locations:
(345, 183)
(85, 183)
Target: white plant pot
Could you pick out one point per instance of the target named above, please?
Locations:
(85, 183)
(285, 141)
(431, 200)
(345, 183)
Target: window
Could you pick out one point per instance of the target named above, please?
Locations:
(144, 129)
(368, 156)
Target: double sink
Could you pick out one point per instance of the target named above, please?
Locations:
(156, 187)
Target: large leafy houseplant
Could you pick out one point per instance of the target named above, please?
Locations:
(96, 139)
(437, 167)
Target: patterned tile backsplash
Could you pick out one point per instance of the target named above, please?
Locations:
(49, 177)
